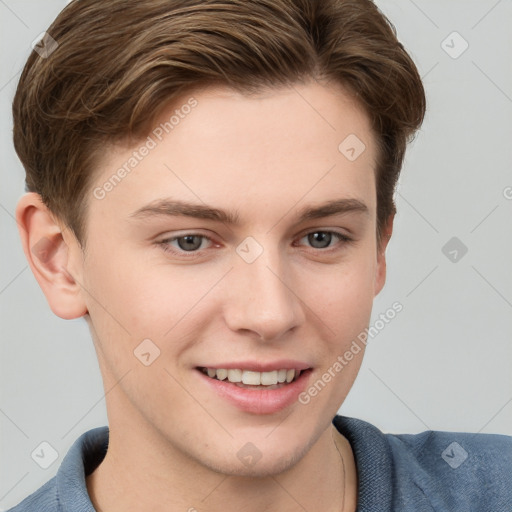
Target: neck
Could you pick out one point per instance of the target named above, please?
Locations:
(165, 479)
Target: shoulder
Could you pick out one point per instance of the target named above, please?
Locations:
(67, 490)
(461, 469)
(435, 470)
(482, 452)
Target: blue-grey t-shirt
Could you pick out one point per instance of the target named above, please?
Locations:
(431, 471)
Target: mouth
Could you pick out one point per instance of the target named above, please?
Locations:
(257, 392)
(252, 379)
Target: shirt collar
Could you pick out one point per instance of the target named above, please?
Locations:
(374, 463)
(82, 459)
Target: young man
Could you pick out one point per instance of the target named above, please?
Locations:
(211, 188)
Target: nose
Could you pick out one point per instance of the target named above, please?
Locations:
(260, 298)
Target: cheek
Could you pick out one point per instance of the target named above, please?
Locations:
(345, 308)
(165, 299)
(342, 295)
(347, 314)
(130, 290)
(137, 300)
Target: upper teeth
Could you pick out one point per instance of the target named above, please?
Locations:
(251, 377)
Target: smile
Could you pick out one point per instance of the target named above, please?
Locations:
(257, 392)
(253, 378)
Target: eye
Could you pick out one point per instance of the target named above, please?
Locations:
(191, 244)
(186, 243)
(324, 239)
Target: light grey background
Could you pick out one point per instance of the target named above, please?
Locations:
(443, 363)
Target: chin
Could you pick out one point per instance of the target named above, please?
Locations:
(244, 459)
(268, 465)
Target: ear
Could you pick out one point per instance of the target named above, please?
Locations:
(380, 276)
(53, 255)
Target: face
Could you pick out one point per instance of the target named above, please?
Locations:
(242, 241)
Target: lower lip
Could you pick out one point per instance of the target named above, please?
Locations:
(259, 401)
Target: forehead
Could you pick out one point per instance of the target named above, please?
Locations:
(280, 146)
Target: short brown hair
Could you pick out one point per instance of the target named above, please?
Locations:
(119, 63)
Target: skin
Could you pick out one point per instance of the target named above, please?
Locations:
(174, 442)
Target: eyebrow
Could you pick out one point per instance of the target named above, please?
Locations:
(172, 208)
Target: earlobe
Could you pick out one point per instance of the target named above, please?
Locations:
(380, 276)
(52, 260)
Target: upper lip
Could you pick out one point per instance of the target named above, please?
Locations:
(259, 366)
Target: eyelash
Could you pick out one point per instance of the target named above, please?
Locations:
(343, 239)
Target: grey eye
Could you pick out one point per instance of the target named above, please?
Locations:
(190, 242)
(320, 239)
